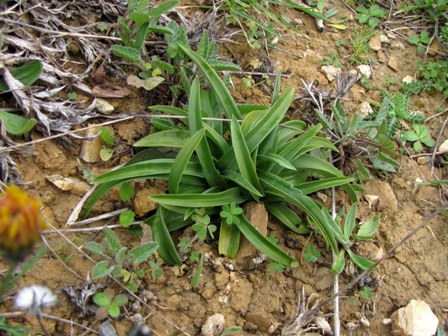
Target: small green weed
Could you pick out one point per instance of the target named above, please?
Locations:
(119, 261)
(311, 253)
(366, 293)
(332, 58)
(422, 41)
(431, 76)
(361, 50)
(419, 136)
(108, 138)
(371, 16)
(109, 303)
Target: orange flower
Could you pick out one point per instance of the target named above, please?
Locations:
(20, 222)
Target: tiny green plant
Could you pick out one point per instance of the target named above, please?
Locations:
(371, 16)
(120, 261)
(366, 293)
(361, 50)
(311, 253)
(332, 58)
(230, 330)
(422, 41)
(366, 231)
(14, 330)
(72, 95)
(110, 303)
(431, 76)
(108, 138)
(419, 136)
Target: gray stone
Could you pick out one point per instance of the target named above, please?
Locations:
(393, 63)
(330, 72)
(375, 43)
(213, 326)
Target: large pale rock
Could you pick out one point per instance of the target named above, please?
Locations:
(68, 184)
(330, 72)
(394, 63)
(365, 109)
(90, 149)
(213, 326)
(375, 43)
(258, 217)
(365, 70)
(416, 319)
(385, 193)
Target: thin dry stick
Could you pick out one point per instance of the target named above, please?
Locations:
(59, 258)
(59, 319)
(424, 224)
(436, 115)
(88, 230)
(123, 286)
(69, 34)
(439, 137)
(336, 319)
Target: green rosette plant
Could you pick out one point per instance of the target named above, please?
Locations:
(221, 164)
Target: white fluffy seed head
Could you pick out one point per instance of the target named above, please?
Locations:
(34, 298)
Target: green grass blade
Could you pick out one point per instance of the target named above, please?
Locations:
(169, 138)
(99, 192)
(263, 244)
(294, 147)
(287, 217)
(242, 182)
(277, 159)
(310, 187)
(202, 149)
(171, 110)
(181, 161)
(197, 275)
(26, 74)
(293, 196)
(217, 139)
(201, 200)
(167, 250)
(243, 158)
(311, 163)
(224, 96)
(363, 263)
(349, 223)
(147, 169)
(263, 127)
(229, 239)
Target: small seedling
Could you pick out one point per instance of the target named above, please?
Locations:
(108, 138)
(109, 303)
(119, 261)
(230, 213)
(311, 253)
(202, 224)
(421, 41)
(332, 58)
(366, 293)
(371, 16)
(156, 268)
(419, 136)
(72, 95)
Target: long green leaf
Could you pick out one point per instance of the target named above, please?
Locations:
(169, 138)
(201, 200)
(349, 223)
(161, 235)
(27, 74)
(225, 98)
(202, 149)
(263, 244)
(279, 187)
(147, 169)
(277, 159)
(162, 8)
(217, 139)
(229, 239)
(363, 263)
(293, 147)
(244, 160)
(175, 111)
(313, 186)
(338, 263)
(311, 163)
(181, 161)
(242, 182)
(262, 128)
(287, 217)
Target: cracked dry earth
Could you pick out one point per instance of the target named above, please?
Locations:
(251, 296)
